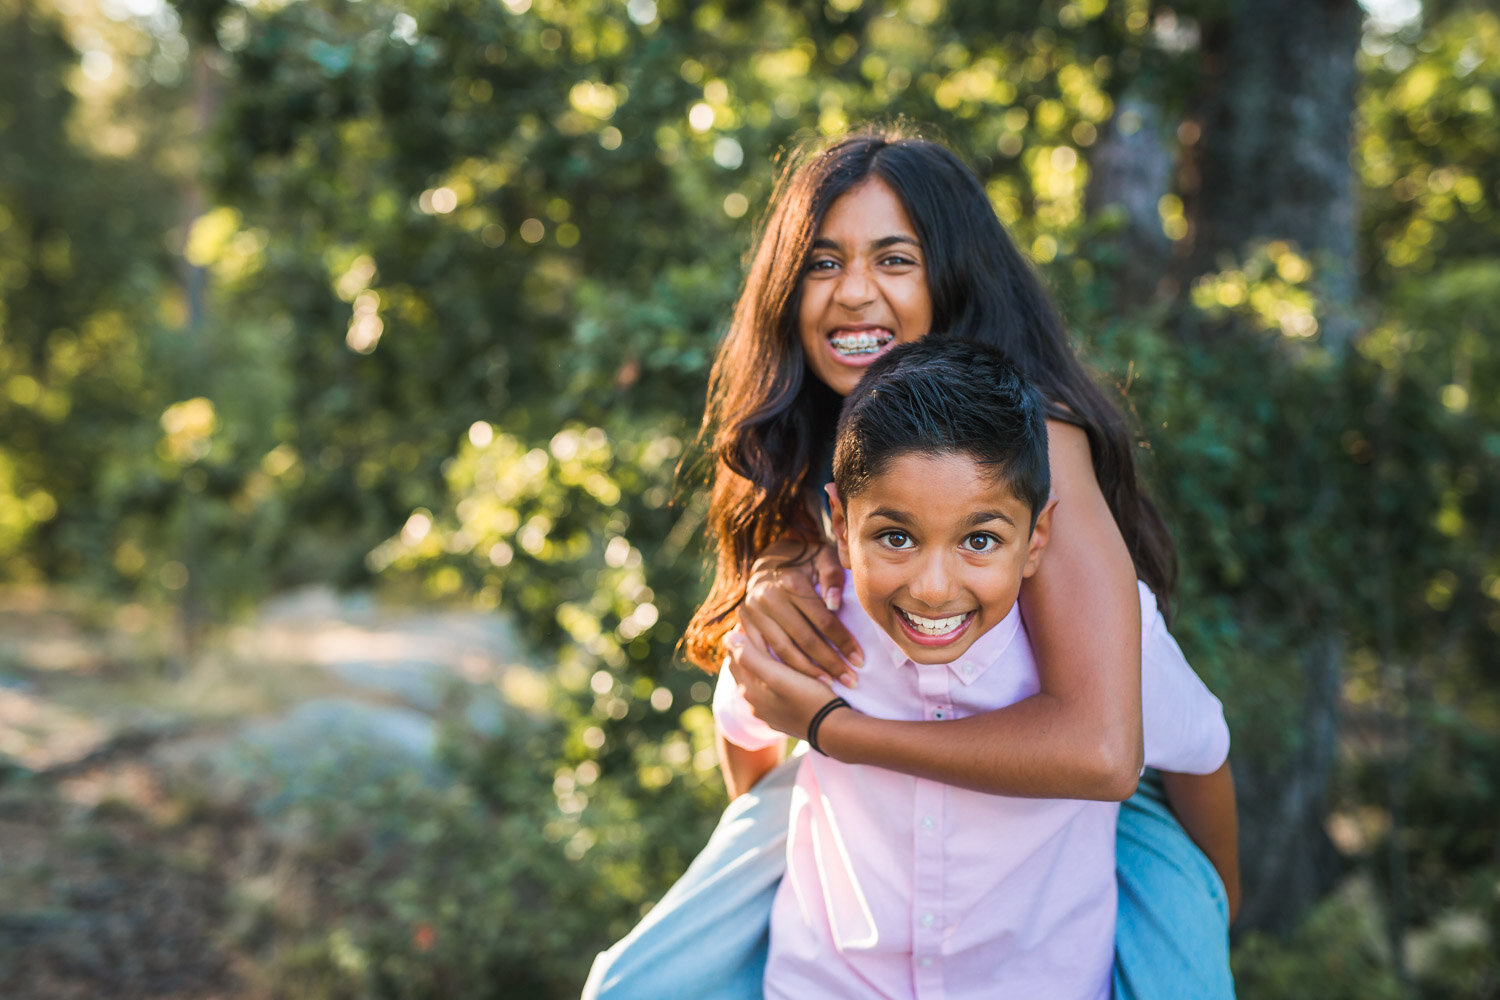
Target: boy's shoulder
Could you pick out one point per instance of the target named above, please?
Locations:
(1151, 616)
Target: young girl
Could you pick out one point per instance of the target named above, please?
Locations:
(876, 240)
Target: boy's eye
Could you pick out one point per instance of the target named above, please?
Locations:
(981, 541)
(896, 540)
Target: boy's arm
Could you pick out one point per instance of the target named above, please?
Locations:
(743, 768)
(1204, 804)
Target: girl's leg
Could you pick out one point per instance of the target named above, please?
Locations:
(1172, 936)
(707, 938)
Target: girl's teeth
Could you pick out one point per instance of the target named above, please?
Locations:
(934, 626)
(860, 343)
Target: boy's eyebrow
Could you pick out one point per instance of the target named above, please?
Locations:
(824, 243)
(982, 516)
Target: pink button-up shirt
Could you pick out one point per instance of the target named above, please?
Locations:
(903, 887)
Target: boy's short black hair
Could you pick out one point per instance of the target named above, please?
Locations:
(944, 395)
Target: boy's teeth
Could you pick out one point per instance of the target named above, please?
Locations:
(935, 626)
(862, 342)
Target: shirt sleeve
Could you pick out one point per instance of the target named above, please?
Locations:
(1182, 722)
(736, 719)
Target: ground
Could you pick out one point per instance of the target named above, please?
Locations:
(146, 844)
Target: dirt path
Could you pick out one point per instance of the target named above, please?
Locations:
(119, 898)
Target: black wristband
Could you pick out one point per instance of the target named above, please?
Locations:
(817, 720)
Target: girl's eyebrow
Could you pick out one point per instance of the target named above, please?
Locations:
(824, 243)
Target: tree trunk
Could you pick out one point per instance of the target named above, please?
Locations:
(193, 606)
(1286, 858)
(1271, 161)
(1274, 117)
(1130, 172)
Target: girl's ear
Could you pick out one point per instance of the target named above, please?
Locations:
(840, 523)
(1039, 535)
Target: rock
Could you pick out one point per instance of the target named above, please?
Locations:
(320, 749)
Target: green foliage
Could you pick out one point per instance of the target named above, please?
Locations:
(1338, 953)
(507, 886)
(1430, 148)
(1342, 950)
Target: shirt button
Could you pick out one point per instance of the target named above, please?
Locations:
(938, 714)
(968, 669)
(927, 823)
(924, 963)
(927, 919)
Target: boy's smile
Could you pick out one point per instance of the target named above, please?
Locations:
(938, 546)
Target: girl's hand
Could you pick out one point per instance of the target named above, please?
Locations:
(782, 698)
(783, 611)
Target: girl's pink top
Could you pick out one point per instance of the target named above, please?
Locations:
(904, 887)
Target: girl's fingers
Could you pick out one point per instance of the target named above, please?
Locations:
(830, 577)
(781, 697)
(835, 642)
(790, 651)
(750, 667)
(751, 633)
(796, 642)
(784, 605)
(805, 621)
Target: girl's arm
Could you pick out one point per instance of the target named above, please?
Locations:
(1204, 804)
(1080, 736)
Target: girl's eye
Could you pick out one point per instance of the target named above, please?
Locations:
(981, 542)
(896, 540)
(823, 264)
(897, 260)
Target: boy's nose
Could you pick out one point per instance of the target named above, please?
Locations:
(933, 582)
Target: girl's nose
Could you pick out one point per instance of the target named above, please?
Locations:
(856, 289)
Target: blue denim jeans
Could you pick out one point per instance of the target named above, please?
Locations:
(707, 938)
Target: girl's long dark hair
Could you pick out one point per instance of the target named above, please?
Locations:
(769, 427)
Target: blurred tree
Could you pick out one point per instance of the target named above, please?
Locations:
(80, 267)
(1272, 124)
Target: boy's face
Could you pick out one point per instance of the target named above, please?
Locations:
(938, 548)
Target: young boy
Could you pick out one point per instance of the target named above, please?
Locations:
(903, 887)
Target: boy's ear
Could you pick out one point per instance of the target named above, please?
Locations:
(1039, 536)
(840, 523)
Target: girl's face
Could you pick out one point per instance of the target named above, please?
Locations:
(865, 289)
